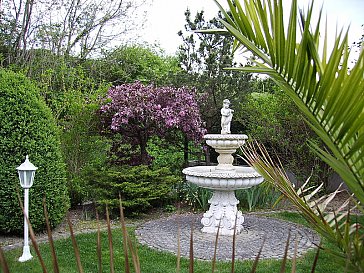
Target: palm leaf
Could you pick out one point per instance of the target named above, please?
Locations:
(335, 226)
(328, 93)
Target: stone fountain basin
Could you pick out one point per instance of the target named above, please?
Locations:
(211, 178)
(228, 141)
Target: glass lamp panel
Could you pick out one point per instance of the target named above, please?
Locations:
(26, 178)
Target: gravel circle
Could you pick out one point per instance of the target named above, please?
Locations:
(161, 234)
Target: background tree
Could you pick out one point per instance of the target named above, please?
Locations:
(139, 112)
(146, 64)
(64, 27)
(204, 58)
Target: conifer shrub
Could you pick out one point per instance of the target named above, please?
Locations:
(27, 127)
(140, 187)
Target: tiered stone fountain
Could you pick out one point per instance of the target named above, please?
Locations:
(223, 179)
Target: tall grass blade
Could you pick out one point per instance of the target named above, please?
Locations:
(215, 248)
(138, 270)
(109, 236)
(284, 261)
(98, 241)
(125, 235)
(294, 256)
(50, 239)
(3, 263)
(75, 247)
(32, 236)
(191, 266)
(254, 268)
(134, 256)
(316, 259)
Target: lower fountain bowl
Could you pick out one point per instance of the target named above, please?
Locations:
(211, 178)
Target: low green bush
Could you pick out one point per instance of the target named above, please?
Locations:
(28, 127)
(140, 187)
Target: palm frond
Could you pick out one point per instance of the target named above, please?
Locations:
(335, 226)
(328, 93)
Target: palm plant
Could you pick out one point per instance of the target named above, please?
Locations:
(329, 94)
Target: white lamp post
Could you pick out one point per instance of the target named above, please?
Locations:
(26, 176)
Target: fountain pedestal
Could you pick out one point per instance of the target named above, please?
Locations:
(223, 179)
(223, 212)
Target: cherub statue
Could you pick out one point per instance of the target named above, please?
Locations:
(226, 117)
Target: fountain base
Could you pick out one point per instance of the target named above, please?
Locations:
(223, 209)
(223, 213)
(224, 179)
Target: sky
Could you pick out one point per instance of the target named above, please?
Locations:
(166, 17)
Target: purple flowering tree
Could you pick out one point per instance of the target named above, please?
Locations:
(139, 112)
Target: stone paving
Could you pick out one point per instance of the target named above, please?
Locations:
(161, 234)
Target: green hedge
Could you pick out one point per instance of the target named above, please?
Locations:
(27, 127)
(140, 187)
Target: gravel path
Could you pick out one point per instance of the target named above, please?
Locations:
(161, 234)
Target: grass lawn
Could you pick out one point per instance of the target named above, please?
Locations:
(154, 261)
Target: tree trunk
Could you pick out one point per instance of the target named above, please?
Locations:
(185, 151)
(144, 156)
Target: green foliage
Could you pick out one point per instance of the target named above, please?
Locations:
(274, 120)
(196, 197)
(167, 155)
(74, 98)
(262, 196)
(204, 59)
(82, 146)
(141, 187)
(326, 90)
(139, 63)
(63, 81)
(27, 127)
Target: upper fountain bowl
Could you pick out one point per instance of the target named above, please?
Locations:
(225, 141)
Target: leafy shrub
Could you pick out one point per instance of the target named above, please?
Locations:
(147, 64)
(196, 197)
(82, 146)
(140, 187)
(167, 155)
(274, 120)
(262, 196)
(27, 127)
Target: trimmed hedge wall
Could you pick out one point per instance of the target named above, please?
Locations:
(28, 127)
